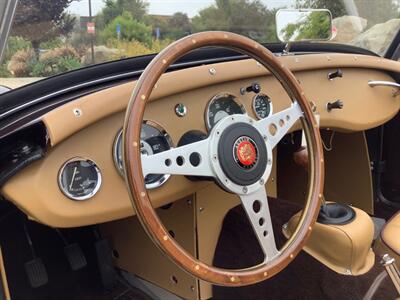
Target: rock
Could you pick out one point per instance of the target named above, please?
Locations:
(348, 28)
(101, 54)
(378, 37)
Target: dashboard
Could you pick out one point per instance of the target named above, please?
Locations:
(83, 171)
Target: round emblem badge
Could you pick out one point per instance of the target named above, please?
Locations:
(245, 152)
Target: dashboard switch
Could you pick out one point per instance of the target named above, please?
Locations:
(338, 104)
(255, 88)
(333, 75)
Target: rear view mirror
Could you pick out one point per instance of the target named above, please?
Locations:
(303, 25)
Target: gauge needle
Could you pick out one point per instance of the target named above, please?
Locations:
(73, 177)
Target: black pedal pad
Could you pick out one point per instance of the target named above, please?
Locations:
(75, 256)
(36, 272)
(105, 263)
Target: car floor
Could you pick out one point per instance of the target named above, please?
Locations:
(304, 278)
(63, 282)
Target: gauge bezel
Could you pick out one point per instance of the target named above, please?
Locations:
(254, 108)
(215, 98)
(92, 193)
(121, 171)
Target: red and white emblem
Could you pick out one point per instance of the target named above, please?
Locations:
(245, 152)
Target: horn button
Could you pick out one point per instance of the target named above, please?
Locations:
(242, 154)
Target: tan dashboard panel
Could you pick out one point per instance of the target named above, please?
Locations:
(63, 122)
(35, 189)
(91, 135)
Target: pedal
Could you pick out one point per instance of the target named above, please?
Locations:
(105, 262)
(36, 272)
(75, 256)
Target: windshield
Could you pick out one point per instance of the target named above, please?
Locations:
(52, 37)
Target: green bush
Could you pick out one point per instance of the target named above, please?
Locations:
(4, 73)
(55, 65)
(51, 44)
(130, 30)
(15, 44)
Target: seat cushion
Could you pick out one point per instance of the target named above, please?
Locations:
(390, 234)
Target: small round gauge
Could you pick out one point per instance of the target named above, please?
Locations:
(262, 106)
(220, 106)
(79, 179)
(154, 139)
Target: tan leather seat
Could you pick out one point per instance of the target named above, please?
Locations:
(390, 238)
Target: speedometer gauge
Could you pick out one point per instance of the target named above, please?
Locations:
(153, 139)
(79, 179)
(220, 106)
(262, 106)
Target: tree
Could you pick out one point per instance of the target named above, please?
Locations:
(179, 25)
(41, 20)
(316, 25)
(337, 8)
(131, 29)
(247, 17)
(114, 8)
(374, 11)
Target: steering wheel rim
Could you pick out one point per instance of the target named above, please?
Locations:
(134, 168)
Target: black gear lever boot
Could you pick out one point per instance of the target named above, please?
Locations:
(336, 214)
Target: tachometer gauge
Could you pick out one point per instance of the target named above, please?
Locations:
(262, 106)
(79, 179)
(220, 106)
(154, 139)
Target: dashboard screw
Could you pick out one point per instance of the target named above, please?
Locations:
(212, 71)
(261, 182)
(201, 209)
(244, 190)
(77, 112)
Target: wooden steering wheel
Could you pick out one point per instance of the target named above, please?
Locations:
(237, 154)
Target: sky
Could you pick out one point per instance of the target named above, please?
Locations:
(162, 7)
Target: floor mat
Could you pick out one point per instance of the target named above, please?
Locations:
(304, 278)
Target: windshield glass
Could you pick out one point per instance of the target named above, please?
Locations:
(52, 37)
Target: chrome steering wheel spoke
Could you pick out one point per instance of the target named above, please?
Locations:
(257, 210)
(191, 160)
(276, 126)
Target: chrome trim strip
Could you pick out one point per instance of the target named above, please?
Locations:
(373, 83)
